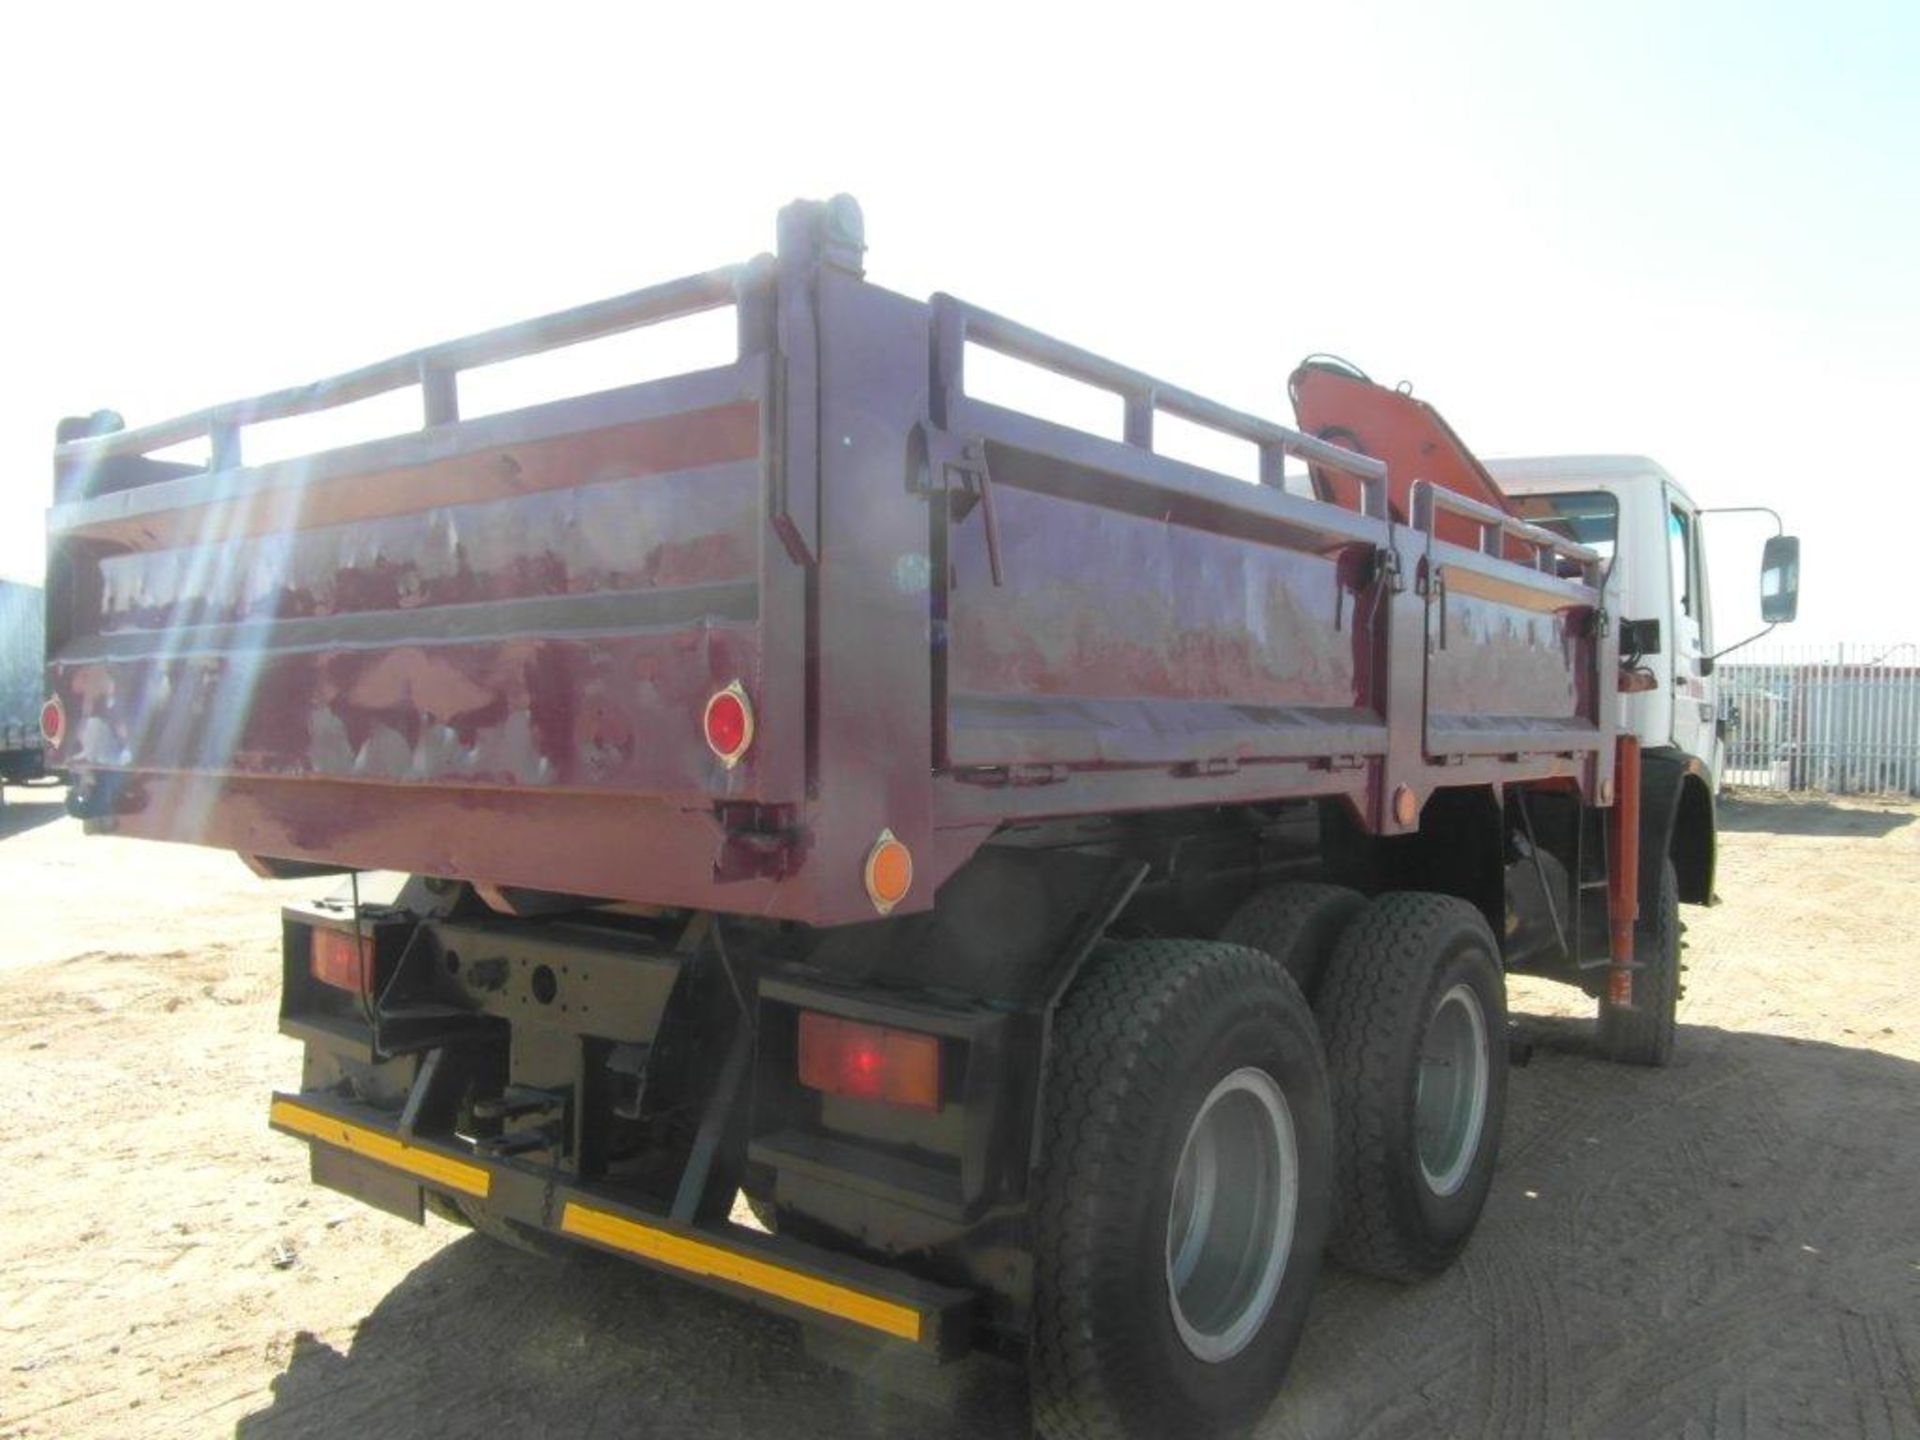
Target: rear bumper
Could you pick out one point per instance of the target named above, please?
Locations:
(778, 1274)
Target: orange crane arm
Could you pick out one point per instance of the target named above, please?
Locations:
(1336, 403)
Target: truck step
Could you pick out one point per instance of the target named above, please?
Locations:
(414, 1013)
(520, 1142)
(518, 1101)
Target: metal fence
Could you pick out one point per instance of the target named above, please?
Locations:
(23, 680)
(1840, 718)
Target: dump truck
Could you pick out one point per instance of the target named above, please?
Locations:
(1061, 889)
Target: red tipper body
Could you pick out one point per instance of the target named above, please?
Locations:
(487, 649)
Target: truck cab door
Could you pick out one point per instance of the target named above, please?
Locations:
(1693, 683)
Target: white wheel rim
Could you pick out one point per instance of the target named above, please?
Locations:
(1450, 1089)
(1230, 1219)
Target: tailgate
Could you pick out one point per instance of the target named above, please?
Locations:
(511, 616)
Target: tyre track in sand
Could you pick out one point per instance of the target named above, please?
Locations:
(1524, 1376)
(1885, 1386)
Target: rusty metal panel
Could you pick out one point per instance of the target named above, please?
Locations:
(1118, 639)
(524, 617)
(871, 655)
(1510, 658)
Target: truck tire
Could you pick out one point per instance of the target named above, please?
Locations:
(1644, 1035)
(1184, 1192)
(1413, 1009)
(446, 1207)
(1298, 925)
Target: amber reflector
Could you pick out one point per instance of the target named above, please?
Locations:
(343, 960)
(728, 724)
(889, 872)
(869, 1062)
(53, 721)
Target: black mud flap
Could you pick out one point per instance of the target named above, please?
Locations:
(368, 1183)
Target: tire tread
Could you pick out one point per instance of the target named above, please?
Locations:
(1298, 923)
(1645, 1034)
(1114, 1041)
(1369, 1014)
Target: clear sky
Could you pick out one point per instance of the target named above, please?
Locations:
(1691, 231)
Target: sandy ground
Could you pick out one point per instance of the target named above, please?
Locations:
(1727, 1248)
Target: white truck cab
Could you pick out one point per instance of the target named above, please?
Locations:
(1637, 515)
(1649, 529)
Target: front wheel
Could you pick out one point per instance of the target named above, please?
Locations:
(1184, 1193)
(1644, 1034)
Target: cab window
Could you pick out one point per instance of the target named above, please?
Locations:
(1680, 556)
(1586, 517)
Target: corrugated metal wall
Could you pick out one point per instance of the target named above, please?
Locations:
(1840, 718)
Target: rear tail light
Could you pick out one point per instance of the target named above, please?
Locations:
(728, 724)
(869, 1062)
(53, 722)
(343, 960)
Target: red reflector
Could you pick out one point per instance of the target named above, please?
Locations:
(869, 1062)
(53, 722)
(728, 723)
(343, 960)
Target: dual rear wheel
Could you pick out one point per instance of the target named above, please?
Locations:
(1208, 1135)
(1414, 1015)
(1185, 1191)
(1411, 1004)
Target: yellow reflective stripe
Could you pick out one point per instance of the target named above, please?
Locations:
(698, 1258)
(372, 1145)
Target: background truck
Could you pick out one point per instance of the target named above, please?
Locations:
(22, 688)
(1065, 889)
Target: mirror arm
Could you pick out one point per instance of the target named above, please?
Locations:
(1779, 526)
(1760, 635)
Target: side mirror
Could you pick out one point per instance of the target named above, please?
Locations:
(1780, 579)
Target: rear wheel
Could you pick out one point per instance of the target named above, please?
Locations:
(1644, 1035)
(446, 1208)
(1184, 1193)
(1298, 925)
(1413, 1010)
(524, 1238)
